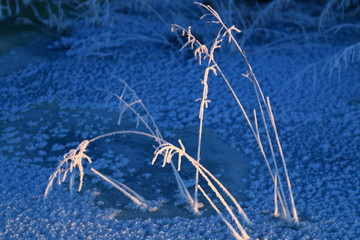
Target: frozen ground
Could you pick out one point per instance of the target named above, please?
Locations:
(52, 104)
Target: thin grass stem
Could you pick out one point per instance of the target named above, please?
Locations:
(137, 199)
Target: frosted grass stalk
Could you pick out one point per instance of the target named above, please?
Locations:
(202, 50)
(170, 150)
(232, 229)
(137, 199)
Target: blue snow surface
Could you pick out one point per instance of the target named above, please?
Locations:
(49, 106)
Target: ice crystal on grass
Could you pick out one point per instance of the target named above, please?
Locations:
(128, 101)
(205, 53)
(168, 151)
(73, 158)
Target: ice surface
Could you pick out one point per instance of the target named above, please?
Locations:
(50, 106)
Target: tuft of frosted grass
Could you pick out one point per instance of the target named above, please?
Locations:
(336, 62)
(203, 52)
(56, 14)
(332, 20)
(128, 100)
(74, 157)
(168, 150)
(336, 9)
(101, 13)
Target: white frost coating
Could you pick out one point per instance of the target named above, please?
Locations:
(127, 100)
(325, 195)
(74, 156)
(128, 192)
(232, 229)
(223, 33)
(168, 150)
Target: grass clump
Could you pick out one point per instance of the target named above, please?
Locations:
(74, 159)
(129, 101)
(337, 20)
(202, 52)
